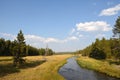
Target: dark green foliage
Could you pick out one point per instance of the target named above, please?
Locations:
(116, 48)
(99, 49)
(50, 52)
(97, 53)
(116, 29)
(32, 51)
(5, 47)
(10, 48)
(19, 50)
(2, 46)
(42, 51)
(86, 51)
(110, 48)
(116, 44)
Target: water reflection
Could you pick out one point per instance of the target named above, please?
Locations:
(72, 71)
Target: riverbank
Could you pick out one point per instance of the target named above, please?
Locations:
(100, 66)
(45, 71)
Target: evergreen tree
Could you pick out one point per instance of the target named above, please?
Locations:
(96, 51)
(116, 32)
(116, 29)
(19, 49)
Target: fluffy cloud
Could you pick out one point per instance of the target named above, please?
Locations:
(7, 36)
(38, 41)
(93, 26)
(110, 11)
(72, 38)
(33, 39)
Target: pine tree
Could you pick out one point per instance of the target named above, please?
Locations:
(19, 49)
(116, 29)
(96, 51)
(116, 32)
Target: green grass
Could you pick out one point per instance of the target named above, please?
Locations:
(100, 66)
(34, 69)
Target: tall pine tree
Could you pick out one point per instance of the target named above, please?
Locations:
(116, 32)
(19, 50)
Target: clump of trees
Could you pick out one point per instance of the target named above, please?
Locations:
(100, 49)
(105, 48)
(18, 49)
(96, 51)
(5, 47)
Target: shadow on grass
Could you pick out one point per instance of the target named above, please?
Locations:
(9, 68)
(31, 64)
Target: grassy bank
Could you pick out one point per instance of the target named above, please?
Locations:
(34, 70)
(100, 66)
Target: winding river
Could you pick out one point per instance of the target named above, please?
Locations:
(72, 71)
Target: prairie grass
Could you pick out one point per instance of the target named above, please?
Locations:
(35, 70)
(100, 66)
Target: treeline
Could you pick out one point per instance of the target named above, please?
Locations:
(8, 48)
(102, 49)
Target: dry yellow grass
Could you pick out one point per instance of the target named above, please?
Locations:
(46, 71)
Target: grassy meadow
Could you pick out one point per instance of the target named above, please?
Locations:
(34, 69)
(100, 66)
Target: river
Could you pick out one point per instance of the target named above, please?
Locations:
(72, 71)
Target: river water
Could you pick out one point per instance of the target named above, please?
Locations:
(72, 71)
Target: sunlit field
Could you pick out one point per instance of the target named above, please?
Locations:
(100, 66)
(35, 68)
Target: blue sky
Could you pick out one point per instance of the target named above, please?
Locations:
(65, 25)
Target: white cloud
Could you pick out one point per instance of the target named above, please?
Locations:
(34, 39)
(72, 38)
(110, 11)
(51, 40)
(93, 26)
(8, 36)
